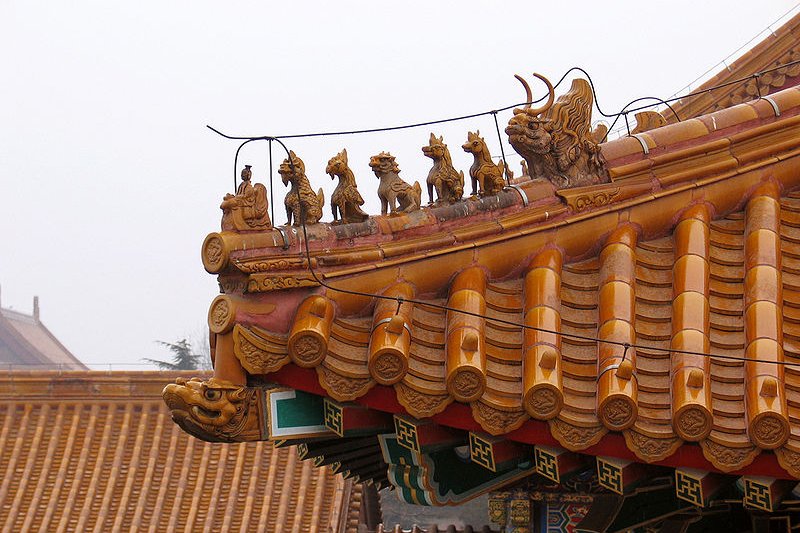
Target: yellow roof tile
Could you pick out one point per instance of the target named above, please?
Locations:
(97, 451)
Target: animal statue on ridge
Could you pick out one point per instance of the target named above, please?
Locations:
(448, 182)
(248, 209)
(300, 198)
(394, 193)
(487, 177)
(345, 199)
(555, 139)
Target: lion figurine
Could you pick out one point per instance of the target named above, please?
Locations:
(448, 182)
(393, 190)
(301, 198)
(346, 201)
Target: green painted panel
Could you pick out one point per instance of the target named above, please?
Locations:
(296, 414)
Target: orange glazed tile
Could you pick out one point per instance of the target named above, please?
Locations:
(656, 215)
(542, 287)
(675, 133)
(471, 233)
(690, 310)
(763, 108)
(550, 258)
(761, 321)
(578, 243)
(502, 258)
(726, 118)
(614, 331)
(399, 222)
(760, 353)
(714, 163)
(374, 281)
(689, 340)
(616, 302)
(617, 263)
(623, 147)
(692, 237)
(724, 196)
(699, 211)
(762, 283)
(407, 246)
(137, 470)
(624, 234)
(690, 274)
(637, 173)
(763, 212)
(436, 272)
(762, 247)
(466, 300)
(473, 279)
(544, 318)
(349, 257)
(787, 99)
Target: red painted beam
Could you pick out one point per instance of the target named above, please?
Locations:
(459, 416)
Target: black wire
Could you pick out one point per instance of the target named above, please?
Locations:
(625, 112)
(625, 345)
(506, 108)
(271, 186)
(502, 150)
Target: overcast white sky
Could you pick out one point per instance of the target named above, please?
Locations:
(109, 179)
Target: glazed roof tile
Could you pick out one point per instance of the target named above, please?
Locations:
(690, 250)
(85, 451)
(780, 47)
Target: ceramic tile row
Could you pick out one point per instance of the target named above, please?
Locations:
(705, 288)
(93, 464)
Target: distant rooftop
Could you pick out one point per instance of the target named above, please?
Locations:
(25, 343)
(98, 451)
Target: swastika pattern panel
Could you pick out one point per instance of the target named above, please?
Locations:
(609, 475)
(333, 417)
(688, 488)
(757, 495)
(406, 434)
(481, 452)
(547, 465)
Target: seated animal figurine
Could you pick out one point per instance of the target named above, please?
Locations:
(393, 190)
(448, 182)
(485, 174)
(346, 200)
(301, 198)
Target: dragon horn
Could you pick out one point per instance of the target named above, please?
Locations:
(528, 94)
(550, 95)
